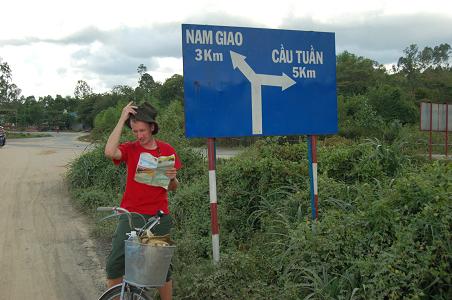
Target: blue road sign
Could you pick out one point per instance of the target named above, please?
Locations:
(250, 82)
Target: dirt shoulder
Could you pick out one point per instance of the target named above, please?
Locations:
(46, 250)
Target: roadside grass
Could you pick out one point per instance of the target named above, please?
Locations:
(24, 135)
(86, 138)
(384, 229)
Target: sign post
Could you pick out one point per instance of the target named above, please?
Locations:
(312, 157)
(211, 153)
(257, 82)
(430, 133)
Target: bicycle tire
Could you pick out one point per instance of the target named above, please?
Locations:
(131, 293)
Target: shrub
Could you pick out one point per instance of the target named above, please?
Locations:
(357, 118)
(384, 230)
(373, 240)
(392, 104)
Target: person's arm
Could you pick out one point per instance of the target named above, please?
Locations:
(111, 148)
(174, 183)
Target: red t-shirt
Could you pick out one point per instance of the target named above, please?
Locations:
(140, 197)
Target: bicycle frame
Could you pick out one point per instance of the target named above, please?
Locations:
(149, 224)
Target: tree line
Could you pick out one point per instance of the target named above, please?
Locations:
(368, 93)
(80, 109)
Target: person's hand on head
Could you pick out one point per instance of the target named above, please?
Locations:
(127, 110)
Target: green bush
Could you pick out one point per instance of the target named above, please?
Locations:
(391, 103)
(368, 243)
(369, 160)
(106, 120)
(357, 118)
(384, 230)
(94, 169)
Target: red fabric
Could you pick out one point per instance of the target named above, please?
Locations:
(139, 197)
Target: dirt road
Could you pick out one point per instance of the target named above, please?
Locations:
(45, 250)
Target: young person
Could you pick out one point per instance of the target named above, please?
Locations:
(140, 196)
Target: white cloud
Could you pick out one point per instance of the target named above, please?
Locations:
(51, 44)
(167, 67)
(38, 74)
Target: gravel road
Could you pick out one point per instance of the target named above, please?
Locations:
(45, 248)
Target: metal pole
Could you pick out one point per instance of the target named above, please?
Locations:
(213, 200)
(447, 125)
(312, 157)
(314, 168)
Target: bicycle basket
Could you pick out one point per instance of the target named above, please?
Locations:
(147, 265)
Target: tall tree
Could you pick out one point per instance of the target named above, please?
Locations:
(356, 74)
(427, 72)
(410, 63)
(392, 103)
(9, 92)
(147, 83)
(147, 87)
(142, 69)
(123, 90)
(415, 61)
(82, 90)
(172, 89)
(441, 55)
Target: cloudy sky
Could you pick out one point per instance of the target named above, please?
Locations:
(49, 44)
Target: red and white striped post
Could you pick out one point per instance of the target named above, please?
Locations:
(213, 200)
(430, 133)
(312, 157)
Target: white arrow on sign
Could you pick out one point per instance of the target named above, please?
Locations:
(257, 81)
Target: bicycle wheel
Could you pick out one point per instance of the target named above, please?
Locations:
(130, 293)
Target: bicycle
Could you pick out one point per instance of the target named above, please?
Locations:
(138, 280)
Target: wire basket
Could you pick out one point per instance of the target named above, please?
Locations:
(147, 265)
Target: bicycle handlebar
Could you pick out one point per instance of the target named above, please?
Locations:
(116, 211)
(112, 208)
